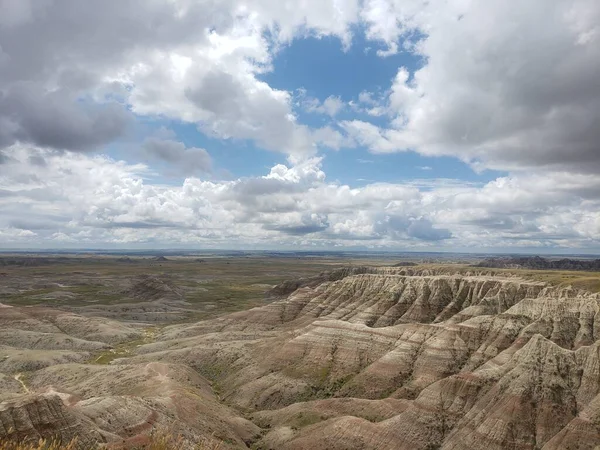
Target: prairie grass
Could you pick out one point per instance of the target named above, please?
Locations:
(42, 444)
(166, 441)
(157, 441)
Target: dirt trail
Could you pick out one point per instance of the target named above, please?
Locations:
(18, 378)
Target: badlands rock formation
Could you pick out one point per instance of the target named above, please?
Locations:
(365, 358)
(51, 388)
(31, 417)
(539, 263)
(407, 358)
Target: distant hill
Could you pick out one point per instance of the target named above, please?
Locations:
(126, 259)
(537, 262)
(30, 261)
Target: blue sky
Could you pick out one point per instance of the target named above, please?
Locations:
(321, 124)
(317, 68)
(324, 68)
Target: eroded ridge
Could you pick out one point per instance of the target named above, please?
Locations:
(370, 358)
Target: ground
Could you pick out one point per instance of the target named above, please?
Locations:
(344, 356)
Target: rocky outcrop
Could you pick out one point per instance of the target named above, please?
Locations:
(383, 297)
(380, 300)
(149, 288)
(371, 358)
(472, 360)
(289, 286)
(70, 325)
(539, 263)
(127, 402)
(532, 401)
(30, 261)
(36, 417)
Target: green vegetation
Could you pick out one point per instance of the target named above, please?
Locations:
(124, 349)
(304, 419)
(212, 287)
(166, 441)
(120, 351)
(562, 278)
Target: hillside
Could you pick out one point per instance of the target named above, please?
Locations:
(539, 263)
(366, 358)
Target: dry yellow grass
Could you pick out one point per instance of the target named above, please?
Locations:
(42, 444)
(158, 441)
(166, 441)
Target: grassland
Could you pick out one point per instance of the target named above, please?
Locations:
(208, 286)
(205, 286)
(589, 281)
(124, 349)
(40, 445)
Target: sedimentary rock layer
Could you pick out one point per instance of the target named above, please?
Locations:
(366, 358)
(475, 361)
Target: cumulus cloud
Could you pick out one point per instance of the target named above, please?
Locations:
(522, 91)
(83, 200)
(502, 87)
(55, 119)
(515, 89)
(423, 229)
(331, 106)
(184, 161)
(399, 227)
(195, 61)
(300, 224)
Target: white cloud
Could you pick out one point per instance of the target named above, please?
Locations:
(515, 89)
(15, 12)
(195, 61)
(367, 98)
(523, 90)
(331, 106)
(70, 198)
(181, 160)
(219, 91)
(501, 87)
(368, 135)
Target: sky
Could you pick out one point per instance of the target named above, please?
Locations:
(317, 125)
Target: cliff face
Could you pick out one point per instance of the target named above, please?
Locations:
(379, 297)
(381, 300)
(50, 388)
(368, 358)
(397, 358)
(36, 417)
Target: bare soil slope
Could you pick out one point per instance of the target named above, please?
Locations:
(407, 358)
(369, 358)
